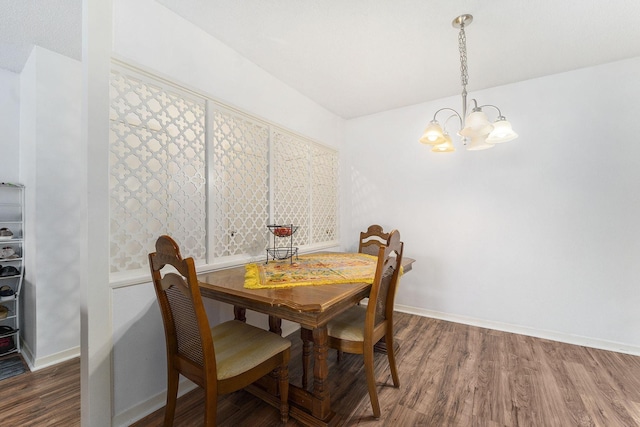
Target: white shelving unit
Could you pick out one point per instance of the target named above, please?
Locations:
(11, 265)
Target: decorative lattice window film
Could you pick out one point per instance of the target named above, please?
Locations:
(291, 182)
(157, 169)
(240, 189)
(324, 190)
(162, 155)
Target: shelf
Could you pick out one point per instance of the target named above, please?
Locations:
(282, 230)
(12, 216)
(282, 252)
(8, 334)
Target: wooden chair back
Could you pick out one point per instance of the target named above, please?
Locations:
(187, 332)
(383, 289)
(372, 239)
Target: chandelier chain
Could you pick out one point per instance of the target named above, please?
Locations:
(462, 45)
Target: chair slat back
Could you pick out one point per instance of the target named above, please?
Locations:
(184, 318)
(372, 239)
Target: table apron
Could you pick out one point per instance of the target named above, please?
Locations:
(308, 319)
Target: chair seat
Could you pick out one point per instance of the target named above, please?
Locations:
(348, 326)
(235, 356)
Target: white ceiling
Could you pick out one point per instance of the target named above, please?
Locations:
(359, 57)
(53, 24)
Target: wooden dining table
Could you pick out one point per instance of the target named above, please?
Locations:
(310, 306)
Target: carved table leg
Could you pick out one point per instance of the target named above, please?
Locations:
(322, 400)
(275, 325)
(307, 343)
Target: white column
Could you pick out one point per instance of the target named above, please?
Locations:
(96, 341)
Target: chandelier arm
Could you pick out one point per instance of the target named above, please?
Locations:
(444, 126)
(475, 105)
(490, 105)
(455, 113)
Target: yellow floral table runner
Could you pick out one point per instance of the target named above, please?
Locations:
(312, 269)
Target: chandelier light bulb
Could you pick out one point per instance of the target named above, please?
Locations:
(433, 134)
(445, 147)
(502, 132)
(476, 124)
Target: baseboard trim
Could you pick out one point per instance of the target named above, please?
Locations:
(53, 359)
(523, 330)
(27, 355)
(149, 406)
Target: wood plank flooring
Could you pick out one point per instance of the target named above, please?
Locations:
(450, 375)
(48, 397)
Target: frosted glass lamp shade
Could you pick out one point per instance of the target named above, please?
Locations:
(478, 143)
(433, 134)
(445, 147)
(476, 124)
(501, 132)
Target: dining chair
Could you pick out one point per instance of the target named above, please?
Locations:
(220, 359)
(370, 242)
(358, 329)
(372, 239)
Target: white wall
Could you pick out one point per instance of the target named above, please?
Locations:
(538, 235)
(150, 35)
(9, 125)
(50, 165)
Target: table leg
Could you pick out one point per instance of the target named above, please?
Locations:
(307, 344)
(275, 325)
(322, 401)
(239, 313)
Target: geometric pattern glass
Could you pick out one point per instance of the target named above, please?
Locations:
(161, 138)
(291, 182)
(324, 194)
(157, 169)
(239, 192)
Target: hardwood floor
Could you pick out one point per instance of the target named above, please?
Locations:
(48, 397)
(450, 375)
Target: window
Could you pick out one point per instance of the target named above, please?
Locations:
(209, 175)
(240, 189)
(157, 169)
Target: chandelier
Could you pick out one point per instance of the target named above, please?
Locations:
(476, 131)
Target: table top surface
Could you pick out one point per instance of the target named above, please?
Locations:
(309, 305)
